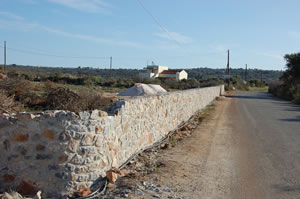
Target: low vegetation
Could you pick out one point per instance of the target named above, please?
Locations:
(236, 83)
(34, 91)
(195, 73)
(19, 94)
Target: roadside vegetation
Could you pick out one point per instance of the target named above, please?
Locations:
(23, 90)
(200, 73)
(237, 83)
(288, 87)
(35, 92)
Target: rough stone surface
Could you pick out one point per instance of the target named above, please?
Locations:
(60, 152)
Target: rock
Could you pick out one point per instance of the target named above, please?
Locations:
(25, 116)
(156, 196)
(94, 115)
(124, 195)
(127, 191)
(38, 195)
(166, 190)
(103, 114)
(157, 190)
(13, 195)
(112, 176)
(84, 191)
(110, 185)
(84, 115)
(139, 192)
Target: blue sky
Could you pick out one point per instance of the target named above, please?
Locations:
(193, 33)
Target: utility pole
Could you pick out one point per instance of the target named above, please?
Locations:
(4, 66)
(110, 67)
(228, 68)
(261, 79)
(246, 73)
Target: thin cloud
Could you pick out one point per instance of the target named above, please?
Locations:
(174, 36)
(29, 1)
(272, 55)
(10, 15)
(93, 6)
(294, 34)
(219, 48)
(91, 38)
(24, 26)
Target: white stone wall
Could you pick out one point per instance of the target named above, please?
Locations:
(59, 151)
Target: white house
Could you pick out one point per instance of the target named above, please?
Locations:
(163, 72)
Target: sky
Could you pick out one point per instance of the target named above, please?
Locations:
(175, 33)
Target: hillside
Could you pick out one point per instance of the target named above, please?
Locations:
(197, 73)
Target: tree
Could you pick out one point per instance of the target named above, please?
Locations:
(292, 74)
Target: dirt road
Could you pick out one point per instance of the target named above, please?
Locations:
(248, 147)
(214, 162)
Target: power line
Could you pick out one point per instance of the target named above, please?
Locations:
(157, 22)
(165, 29)
(52, 55)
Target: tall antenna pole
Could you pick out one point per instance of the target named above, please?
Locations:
(228, 69)
(4, 67)
(110, 67)
(261, 78)
(246, 73)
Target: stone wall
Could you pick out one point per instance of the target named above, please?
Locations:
(58, 151)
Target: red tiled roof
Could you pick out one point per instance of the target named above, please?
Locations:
(170, 71)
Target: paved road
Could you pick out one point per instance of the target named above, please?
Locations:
(248, 148)
(265, 136)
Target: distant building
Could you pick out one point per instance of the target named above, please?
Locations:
(162, 72)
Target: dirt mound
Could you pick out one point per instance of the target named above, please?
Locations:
(143, 89)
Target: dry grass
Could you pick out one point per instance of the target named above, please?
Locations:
(8, 105)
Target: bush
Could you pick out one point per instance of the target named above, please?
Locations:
(18, 87)
(64, 99)
(8, 105)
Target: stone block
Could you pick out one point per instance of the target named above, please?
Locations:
(84, 115)
(53, 167)
(94, 115)
(86, 150)
(40, 147)
(27, 188)
(87, 140)
(19, 136)
(73, 145)
(77, 159)
(62, 158)
(6, 145)
(25, 116)
(49, 134)
(8, 178)
(43, 156)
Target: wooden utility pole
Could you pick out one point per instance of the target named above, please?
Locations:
(4, 66)
(261, 79)
(246, 73)
(228, 67)
(110, 67)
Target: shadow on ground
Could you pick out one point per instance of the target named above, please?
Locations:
(287, 188)
(297, 119)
